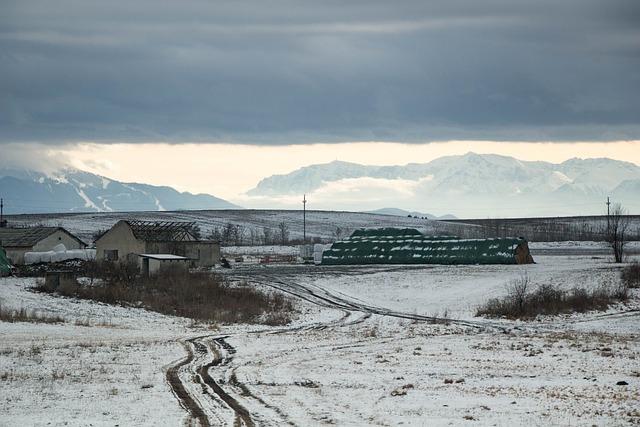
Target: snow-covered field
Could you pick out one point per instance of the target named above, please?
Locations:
(339, 363)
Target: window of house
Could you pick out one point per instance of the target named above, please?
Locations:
(110, 254)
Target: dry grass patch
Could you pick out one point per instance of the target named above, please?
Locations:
(24, 315)
(526, 301)
(204, 297)
(630, 275)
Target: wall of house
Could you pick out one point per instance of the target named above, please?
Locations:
(119, 238)
(157, 266)
(56, 238)
(175, 248)
(203, 254)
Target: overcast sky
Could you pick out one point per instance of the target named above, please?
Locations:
(277, 73)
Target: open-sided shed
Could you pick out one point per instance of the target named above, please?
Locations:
(409, 246)
(157, 263)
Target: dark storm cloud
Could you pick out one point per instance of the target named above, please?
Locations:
(297, 71)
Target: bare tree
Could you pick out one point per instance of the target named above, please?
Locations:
(267, 235)
(253, 236)
(229, 234)
(337, 233)
(283, 233)
(215, 234)
(239, 234)
(615, 233)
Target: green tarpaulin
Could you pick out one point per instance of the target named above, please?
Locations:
(5, 266)
(409, 246)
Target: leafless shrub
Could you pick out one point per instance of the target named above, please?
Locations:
(200, 296)
(519, 303)
(517, 291)
(631, 275)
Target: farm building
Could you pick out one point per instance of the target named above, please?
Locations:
(157, 263)
(128, 239)
(18, 241)
(409, 246)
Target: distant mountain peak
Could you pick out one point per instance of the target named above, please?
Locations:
(72, 190)
(473, 182)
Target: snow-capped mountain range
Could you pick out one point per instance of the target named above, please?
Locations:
(471, 185)
(72, 190)
(467, 186)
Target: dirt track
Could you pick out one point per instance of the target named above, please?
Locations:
(210, 402)
(207, 373)
(206, 402)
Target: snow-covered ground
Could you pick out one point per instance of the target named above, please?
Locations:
(336, 364)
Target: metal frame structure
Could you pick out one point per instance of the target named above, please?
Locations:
(162, 231)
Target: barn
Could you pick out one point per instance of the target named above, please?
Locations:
(126, 240)
(18, 241)
(409, 246)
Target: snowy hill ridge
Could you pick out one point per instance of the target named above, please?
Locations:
(480, 180)
(485, 173)
(73, 190)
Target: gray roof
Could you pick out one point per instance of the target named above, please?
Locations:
(29, 237)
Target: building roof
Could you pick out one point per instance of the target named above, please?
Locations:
(29, 237)
(408, 246)
(162, 231)
(165, 257)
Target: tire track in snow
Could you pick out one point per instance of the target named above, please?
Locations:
(199, 402)
(195, 412)
(325, 298)
(206, 402)
(224, 356)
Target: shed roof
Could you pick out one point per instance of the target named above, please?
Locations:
(29, 237)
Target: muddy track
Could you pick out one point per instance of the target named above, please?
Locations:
(196, 414)
(206, 402)
(242, 415)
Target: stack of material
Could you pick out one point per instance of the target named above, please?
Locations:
(409, 246)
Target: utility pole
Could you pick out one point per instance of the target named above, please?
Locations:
(2, 223)
(304, 219)
(608, 217)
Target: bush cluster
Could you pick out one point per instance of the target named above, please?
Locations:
(201, 296)
(630, 275)
(522, 303)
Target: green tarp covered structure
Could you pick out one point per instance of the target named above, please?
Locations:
(5, 265)
(409, 246)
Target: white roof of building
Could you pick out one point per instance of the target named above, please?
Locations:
(164, 257)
